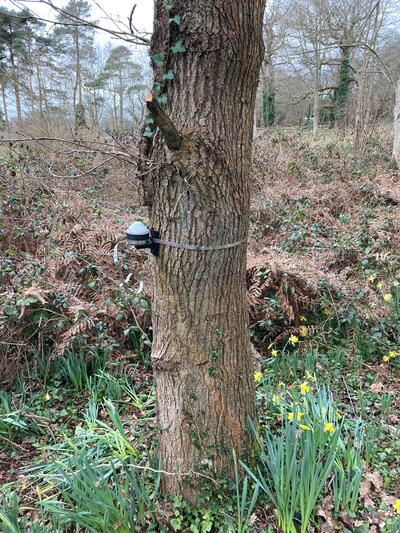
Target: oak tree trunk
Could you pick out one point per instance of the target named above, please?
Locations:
(199, 194)
(396, 143)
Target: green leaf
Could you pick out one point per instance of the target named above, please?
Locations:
(159, 59)
(26, 302)
(149, 120)
(148, 132)
(177, 19)
(176, 523)
(156, 87)
(163, 99)
(178, 48)
(168, 5)
(170, 75)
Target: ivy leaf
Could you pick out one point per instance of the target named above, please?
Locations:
(159, 59)
(149, 120)
(178, 48)
(170, 75)
(168, 5)
(163, 99)
(156, 87)
(177, 19)
(176, 523)
(148, 132)
(26, 302)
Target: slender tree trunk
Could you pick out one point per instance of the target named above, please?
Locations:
(40, 89)
(360, 102)
(199, 195)
(77, 100)
(341, 93)
(317, 87)
(121, 109)
(268, 95)
(396, 143)
(15, 82)
(5, 109)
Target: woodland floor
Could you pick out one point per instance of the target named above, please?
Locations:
(323, 268)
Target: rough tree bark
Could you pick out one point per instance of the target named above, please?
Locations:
(396, 143)
(199, 194)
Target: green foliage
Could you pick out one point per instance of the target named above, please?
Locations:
(121, 501)
(158, 59)
(244, 507)
(347, 471)
(342, 90)
(77, 368)
(297, 462)
(169, 75)
(176, 20)
(178, 48)
(148, 132)
(15, 419)
(268, 103)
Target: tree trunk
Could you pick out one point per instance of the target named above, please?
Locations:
(15, 82)
(5, 110)
(396, 143)
(341, 92)
(77, 100)
(317, 87)
(360, 104)
(199, 194)
(40, 89)
(268, 95)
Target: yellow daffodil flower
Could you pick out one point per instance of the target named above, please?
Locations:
(302, 318)
(386, 358)
(303, 330)
(371, 278)
(258, 377)
(379, 285)
(393, 354)
(304, 427)
(329, 427)
(396, 505)
(304, 387)
(338, 415)
(309, 376)
(275, 399)
(47, 397)
(274, 353)
(293, 340)
(299, 416)
(387, 297)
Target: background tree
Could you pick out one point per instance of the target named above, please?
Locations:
(120, 73)
(274, 30)
(14, 34)
(78, 46)
(3, 86)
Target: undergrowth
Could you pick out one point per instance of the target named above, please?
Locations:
(78, 431)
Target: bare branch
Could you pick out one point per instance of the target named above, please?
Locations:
(76, 21)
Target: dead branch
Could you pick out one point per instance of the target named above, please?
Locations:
(171, 135)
